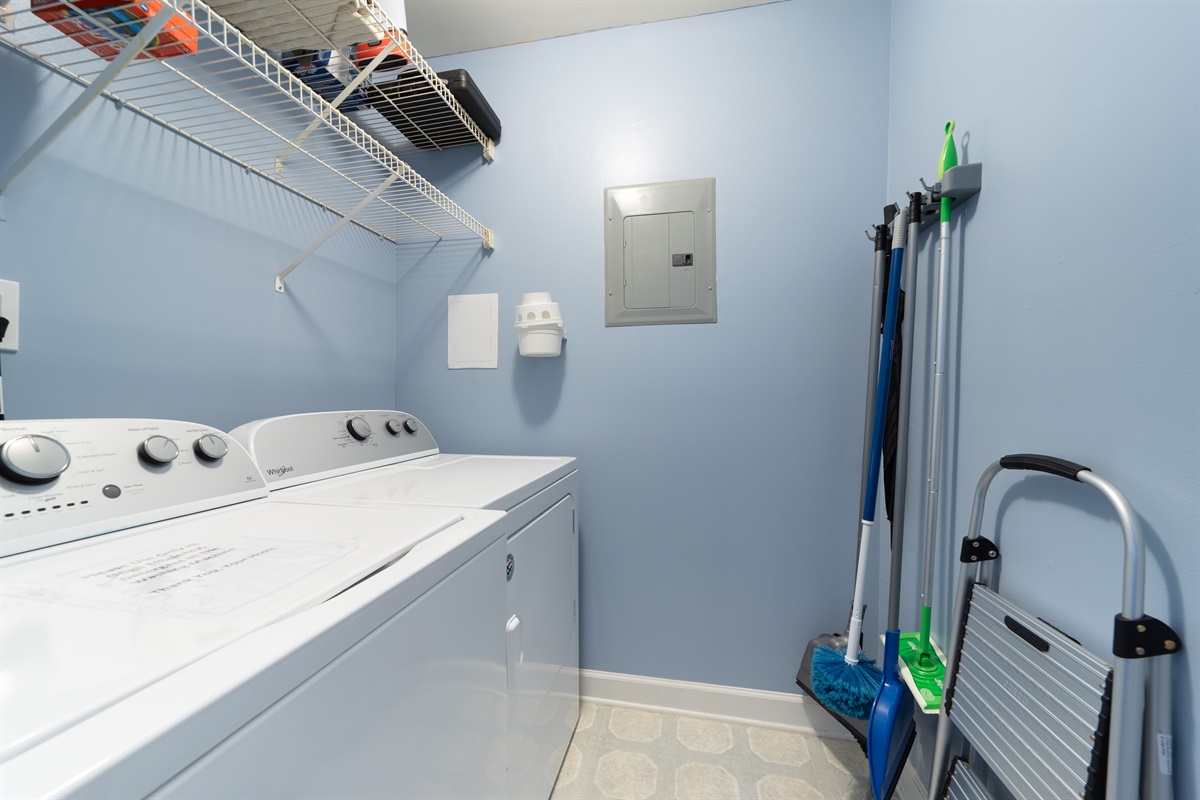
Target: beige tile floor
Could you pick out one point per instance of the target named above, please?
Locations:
(629, 754)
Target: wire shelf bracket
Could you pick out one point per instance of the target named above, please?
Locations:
(90, 93)
(337, 227)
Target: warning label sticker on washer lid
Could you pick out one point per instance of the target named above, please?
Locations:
(188, 579)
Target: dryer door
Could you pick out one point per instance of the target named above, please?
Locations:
(543, 641)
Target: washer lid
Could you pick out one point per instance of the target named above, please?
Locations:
(497, 482)
(88, 624)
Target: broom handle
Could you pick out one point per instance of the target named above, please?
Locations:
(860, 580)
(872, 377)
(899, 231)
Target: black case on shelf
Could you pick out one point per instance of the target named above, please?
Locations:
(459, 82)
(417, 112)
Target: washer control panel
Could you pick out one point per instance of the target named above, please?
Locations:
(303, 447)
(62, 480)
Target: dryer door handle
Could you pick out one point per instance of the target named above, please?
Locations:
(515, 655)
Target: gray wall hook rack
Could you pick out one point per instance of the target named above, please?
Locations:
(959, 183)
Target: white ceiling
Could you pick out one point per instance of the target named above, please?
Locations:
(442, 27)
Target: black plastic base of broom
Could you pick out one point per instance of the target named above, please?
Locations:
(856, 727)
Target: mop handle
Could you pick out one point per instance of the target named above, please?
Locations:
(938, 396)
(947, 159)
(899, 229)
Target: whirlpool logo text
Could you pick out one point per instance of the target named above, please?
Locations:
(277, 471)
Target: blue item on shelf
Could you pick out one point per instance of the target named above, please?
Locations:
(312, 67)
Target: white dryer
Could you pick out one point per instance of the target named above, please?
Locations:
(166, 630)
(381, 457)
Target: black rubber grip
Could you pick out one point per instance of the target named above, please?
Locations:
(1050, 464)
(881, 238)
(914, 208)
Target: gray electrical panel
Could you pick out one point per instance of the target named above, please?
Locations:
(660, 253)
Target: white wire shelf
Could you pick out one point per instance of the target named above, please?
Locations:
(210, 83)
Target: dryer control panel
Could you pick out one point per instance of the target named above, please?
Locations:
(62, 480)
(305, 447)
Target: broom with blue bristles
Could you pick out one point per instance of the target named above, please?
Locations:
(842, 680)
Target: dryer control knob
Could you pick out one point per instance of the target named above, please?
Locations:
(33, 459)
(159, 450)
(358, 428)
(396, 427)
(210, 447)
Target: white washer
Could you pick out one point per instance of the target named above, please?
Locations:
(166, 630)
(381, 457)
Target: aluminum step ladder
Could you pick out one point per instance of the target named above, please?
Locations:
(1046, 717)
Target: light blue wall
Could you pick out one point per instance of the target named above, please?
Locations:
(720, 462)
(146, 267)
(1074, 296)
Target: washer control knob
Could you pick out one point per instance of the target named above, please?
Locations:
(358, 428)
(396, 427)
(210, 447)
(33, 459)
(159, 450)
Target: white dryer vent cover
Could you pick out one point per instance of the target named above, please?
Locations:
(539, 325)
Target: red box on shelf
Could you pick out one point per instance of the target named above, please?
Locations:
(110, 24)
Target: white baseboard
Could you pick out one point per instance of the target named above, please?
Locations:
(794, 712)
